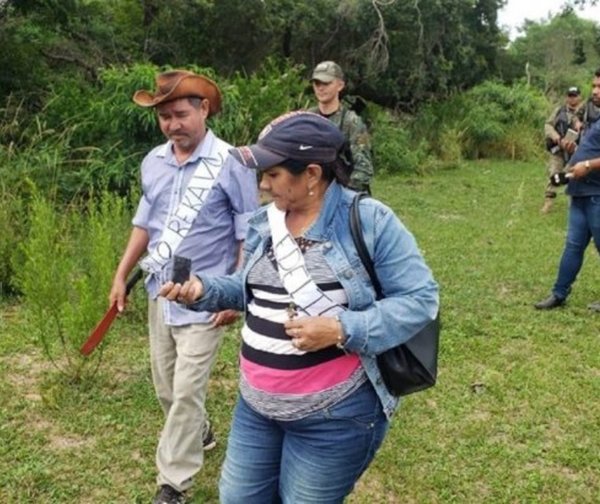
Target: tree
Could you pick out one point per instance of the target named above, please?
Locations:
(559, 52)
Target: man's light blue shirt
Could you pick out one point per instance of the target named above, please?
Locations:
(214, 238)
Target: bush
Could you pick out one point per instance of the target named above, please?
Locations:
(491, 120)
(394, 148)
(251, 101)
(69, 257)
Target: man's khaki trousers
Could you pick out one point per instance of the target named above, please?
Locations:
(181, 359)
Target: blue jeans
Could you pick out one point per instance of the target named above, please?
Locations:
(584, 224)
(313, 460)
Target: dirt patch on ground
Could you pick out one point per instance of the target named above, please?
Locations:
(24, 373)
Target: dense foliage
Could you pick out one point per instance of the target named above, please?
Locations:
(395, 51)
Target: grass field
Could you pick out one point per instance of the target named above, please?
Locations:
(515, 417)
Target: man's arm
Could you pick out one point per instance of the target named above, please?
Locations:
(584, 168)
(360, 145)
(137, 245)
(240, 259)
(549, 128)
(243, 195)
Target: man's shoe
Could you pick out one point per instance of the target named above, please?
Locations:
(550, 303)
(168, 495)
(209, 441)
(595, 306)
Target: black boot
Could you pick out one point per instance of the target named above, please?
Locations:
(550, 303)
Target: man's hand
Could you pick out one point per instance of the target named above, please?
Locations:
(224, 318)
(117, 294)
(580, 170)
(568, 145)
(188, 293)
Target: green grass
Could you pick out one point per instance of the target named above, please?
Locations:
(515, 416)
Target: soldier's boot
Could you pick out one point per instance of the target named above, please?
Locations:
(548, 202)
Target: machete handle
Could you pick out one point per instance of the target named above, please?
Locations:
(133, 280)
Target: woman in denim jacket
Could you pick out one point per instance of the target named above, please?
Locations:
(313, 408)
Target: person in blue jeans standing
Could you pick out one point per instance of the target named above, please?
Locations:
(584, 212)
(313, 409)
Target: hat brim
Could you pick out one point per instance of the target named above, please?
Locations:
(322, 77)
(257, 157)
(186, 86)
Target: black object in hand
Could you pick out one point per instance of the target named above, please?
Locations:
(181, 269)
(560, 178)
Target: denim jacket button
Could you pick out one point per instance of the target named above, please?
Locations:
(348, 274)
(327, 246)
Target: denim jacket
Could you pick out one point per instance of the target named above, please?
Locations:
(370, 326)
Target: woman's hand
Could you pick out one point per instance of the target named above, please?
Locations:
(188, 293)
(314, 333)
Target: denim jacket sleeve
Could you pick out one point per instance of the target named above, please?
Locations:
(228, 292)
(411, 297)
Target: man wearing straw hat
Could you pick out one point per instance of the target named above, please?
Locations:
(195, 203)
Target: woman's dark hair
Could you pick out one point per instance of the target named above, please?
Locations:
(339, 169)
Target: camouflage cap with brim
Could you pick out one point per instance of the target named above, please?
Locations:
(327, 71)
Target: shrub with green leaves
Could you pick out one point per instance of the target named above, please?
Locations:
(251, 101)
(69, 256)
(491, 120)
(394, 148)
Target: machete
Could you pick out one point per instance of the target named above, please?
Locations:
(102, 328)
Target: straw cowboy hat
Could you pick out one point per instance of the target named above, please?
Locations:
(180, 84)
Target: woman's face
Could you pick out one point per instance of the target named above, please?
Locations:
(287, 191)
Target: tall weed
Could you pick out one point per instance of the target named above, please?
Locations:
(12, 230)
(69, 257)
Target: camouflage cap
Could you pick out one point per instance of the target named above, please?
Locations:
(327, 71)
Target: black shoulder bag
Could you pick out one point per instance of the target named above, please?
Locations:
(411, 366)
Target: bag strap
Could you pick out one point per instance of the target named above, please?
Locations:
(359, 243)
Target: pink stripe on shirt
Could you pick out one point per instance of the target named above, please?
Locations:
(299, 381)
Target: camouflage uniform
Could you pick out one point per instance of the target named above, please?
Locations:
(557, 124)
(588, 114)
(356, 133)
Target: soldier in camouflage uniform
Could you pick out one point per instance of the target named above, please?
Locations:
(560, 146)
(328, 82)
